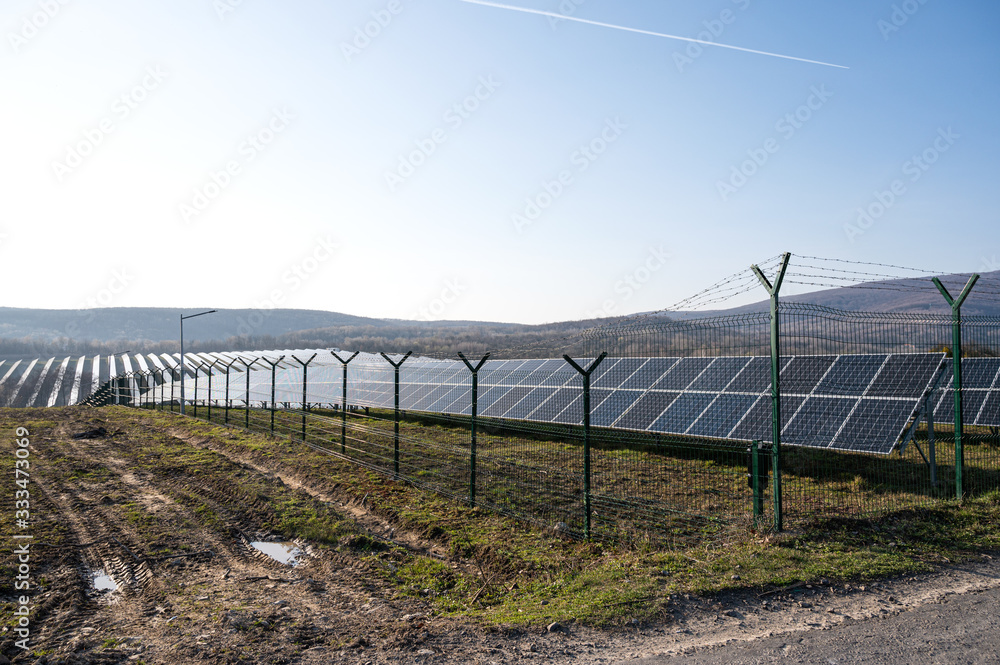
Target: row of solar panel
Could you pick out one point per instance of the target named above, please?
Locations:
(856, 402)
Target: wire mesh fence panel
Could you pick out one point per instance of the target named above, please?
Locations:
(669, 437)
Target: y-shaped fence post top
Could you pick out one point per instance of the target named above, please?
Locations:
(469, 365)
(956, 303)
(306, 363)
(342, 361)
(275, 363)
(401, 360)
(248, 365)
(590, 370)
(772, 289)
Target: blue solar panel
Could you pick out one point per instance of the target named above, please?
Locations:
(726, 396)
(874, 425)
(605, 414)
(989, 416)
(648, 374)
(722, 416)
(850, 375)
(529, 403)
(682, 412)
(719, 374)
(505, 402)
(645, 410)
(553, 406)
(682, 374)
(803, 373)
(972, 402)
(818, 420)
(754, 378)
(904, 375)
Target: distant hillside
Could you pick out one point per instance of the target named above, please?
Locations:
(157, 324)
(33, 333)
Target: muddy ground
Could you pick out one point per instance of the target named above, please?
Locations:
(192, 588)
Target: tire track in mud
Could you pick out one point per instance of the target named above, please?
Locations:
(366, 521)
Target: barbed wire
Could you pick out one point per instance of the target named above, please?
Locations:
(807, 273)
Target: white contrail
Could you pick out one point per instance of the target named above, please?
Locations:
(485, 3)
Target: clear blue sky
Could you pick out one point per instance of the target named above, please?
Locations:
(120, 120)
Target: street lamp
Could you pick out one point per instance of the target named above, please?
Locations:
(189, 316)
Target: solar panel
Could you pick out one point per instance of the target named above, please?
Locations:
(989, 415)
(682, 412)
(802, 373)
(646, 410)
(719, 374)
(722, 415)
(524, 407)
(850, 375)
(648, 373)
(872, 423)
(904, 375)
(756, 424)
(818, 420)
(754, 378)
(681, 374)
(858, 402)
(972, 403)
(612, 406)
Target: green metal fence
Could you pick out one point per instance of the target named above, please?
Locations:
(586, 479)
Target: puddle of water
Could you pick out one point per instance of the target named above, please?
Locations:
(287, 553)
(102, 581)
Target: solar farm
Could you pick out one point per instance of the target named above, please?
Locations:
(651, 428)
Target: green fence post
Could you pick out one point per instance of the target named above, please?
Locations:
(586, 435)
(343, 407)
(773, 290)
(211, 367)
(172, 382)
(956, 363)
(475, 403)
(757, 480)
(194, 402)
(395, 447)
(274, 367)
(226, 419)
(246, 420)
(305, 381)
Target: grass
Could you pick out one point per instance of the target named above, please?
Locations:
(501, 571)
(513, 573)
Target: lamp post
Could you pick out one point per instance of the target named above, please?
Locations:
(189, 316)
